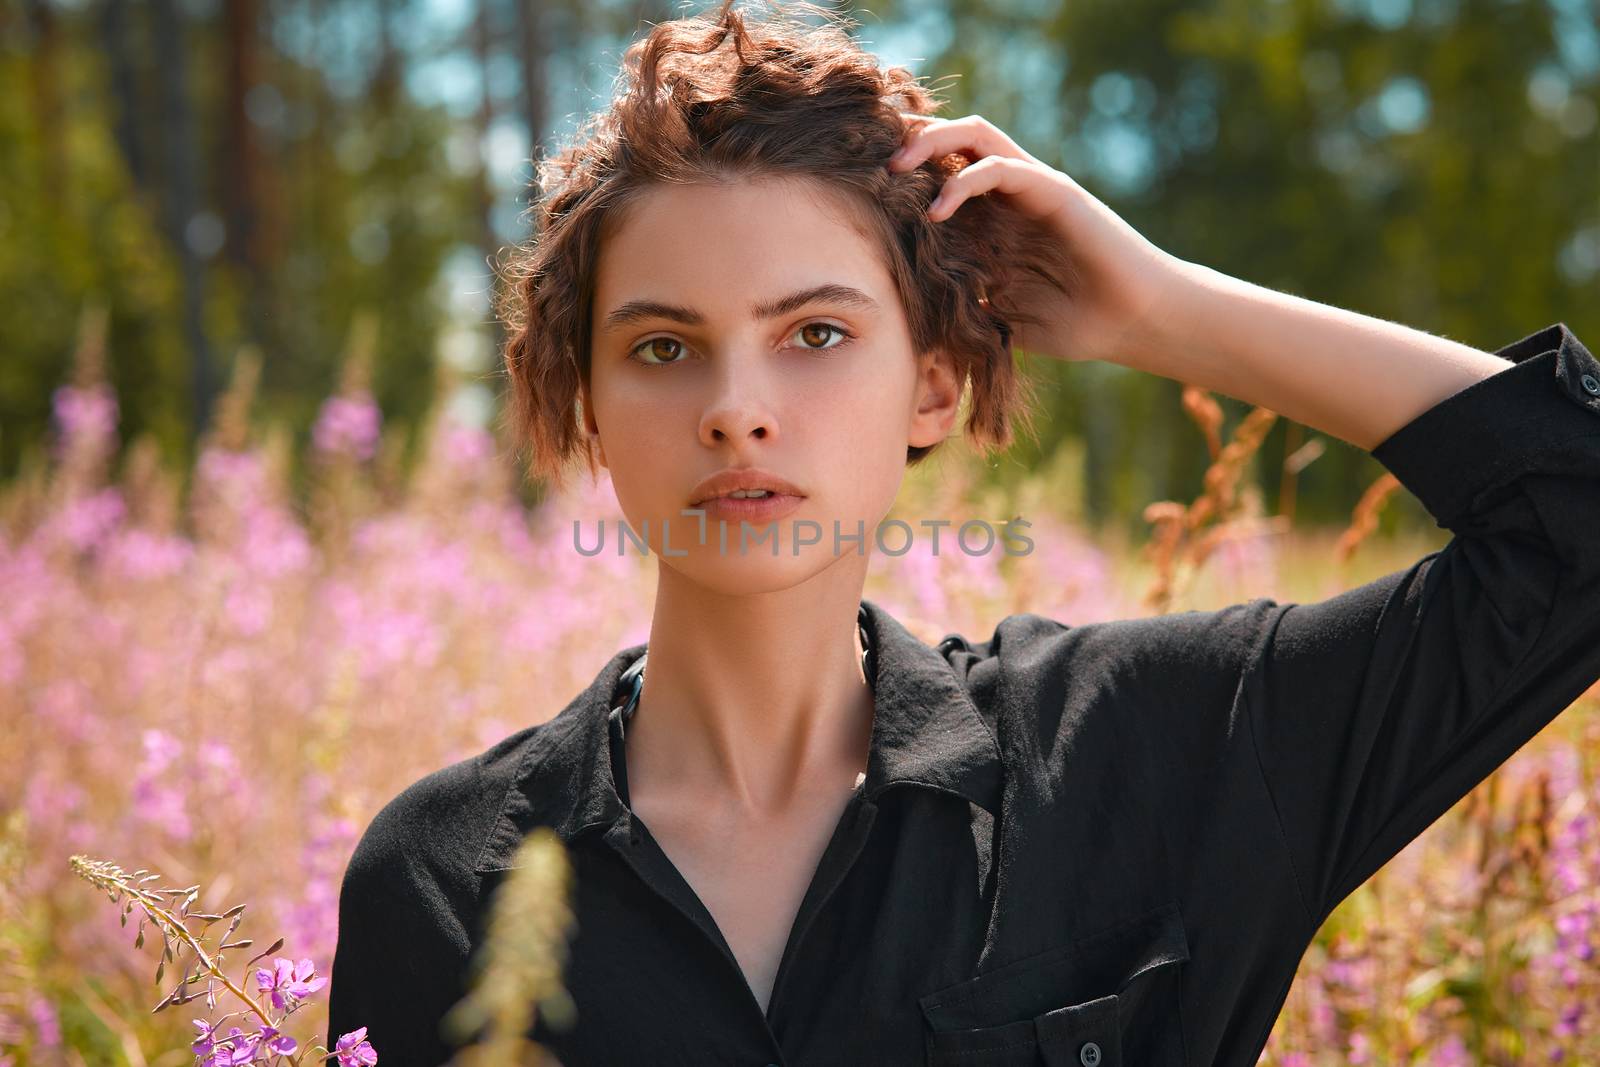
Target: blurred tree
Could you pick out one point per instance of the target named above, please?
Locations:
(191, 231)
(484, 30)
(332, 191)
(246, 171)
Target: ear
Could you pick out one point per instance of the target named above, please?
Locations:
(936, 399)
(591, 429)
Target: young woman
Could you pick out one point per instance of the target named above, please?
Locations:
(803, 836)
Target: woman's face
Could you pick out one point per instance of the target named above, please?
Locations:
(705, 357)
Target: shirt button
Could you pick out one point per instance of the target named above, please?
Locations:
(1089, 1054)
(1591, 384)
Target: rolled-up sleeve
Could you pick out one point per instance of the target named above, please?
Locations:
(1375, 711)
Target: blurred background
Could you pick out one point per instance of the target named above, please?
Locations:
(266, 558)
(229, 173)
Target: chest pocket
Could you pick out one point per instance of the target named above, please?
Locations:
(1104, 1000)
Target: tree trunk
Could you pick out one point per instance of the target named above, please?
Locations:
(181, 182)
(244, 167)
(45, 69)
(241, 162)
(127, 96)
(482, 34)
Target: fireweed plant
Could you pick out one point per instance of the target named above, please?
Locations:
(282, 989)
(517, 972)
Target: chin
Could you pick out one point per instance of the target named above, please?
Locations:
(756, 572)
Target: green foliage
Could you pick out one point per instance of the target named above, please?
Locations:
(1431, 162)
(357, 208)
(59, 243)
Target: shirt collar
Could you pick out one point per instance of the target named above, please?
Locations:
(926, 732)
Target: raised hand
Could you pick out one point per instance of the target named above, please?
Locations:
(1127, 284)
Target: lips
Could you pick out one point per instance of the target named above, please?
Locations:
(746, 479)
(756, 510)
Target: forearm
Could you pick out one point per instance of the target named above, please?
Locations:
(1346, 374)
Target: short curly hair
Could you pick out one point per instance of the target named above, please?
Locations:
(726, 97)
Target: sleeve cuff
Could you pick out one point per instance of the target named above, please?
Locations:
(1496, 428)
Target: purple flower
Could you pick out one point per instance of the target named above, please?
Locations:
(239, 1047)
(348, 425)
(86, 413)
(1452, 1052)
(88, 521)
(467, 446)
(205, 1037)
(274, 1042)
(47, 1025)
(289, 981)
(353, 1049)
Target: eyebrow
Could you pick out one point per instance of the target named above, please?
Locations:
(638, 310)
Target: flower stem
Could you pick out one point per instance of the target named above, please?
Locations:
(110, 877)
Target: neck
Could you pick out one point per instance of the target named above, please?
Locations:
(753, 703)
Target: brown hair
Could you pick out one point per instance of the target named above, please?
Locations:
(726, 98)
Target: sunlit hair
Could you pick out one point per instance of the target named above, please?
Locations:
(730, 97)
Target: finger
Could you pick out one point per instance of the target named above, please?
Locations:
(973, 136)
(1030, 186)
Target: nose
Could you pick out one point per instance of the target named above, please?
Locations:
(737, 412)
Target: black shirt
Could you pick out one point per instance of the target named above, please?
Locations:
(1090, 845)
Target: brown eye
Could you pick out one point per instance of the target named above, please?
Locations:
(810, 331)
(659, 348)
